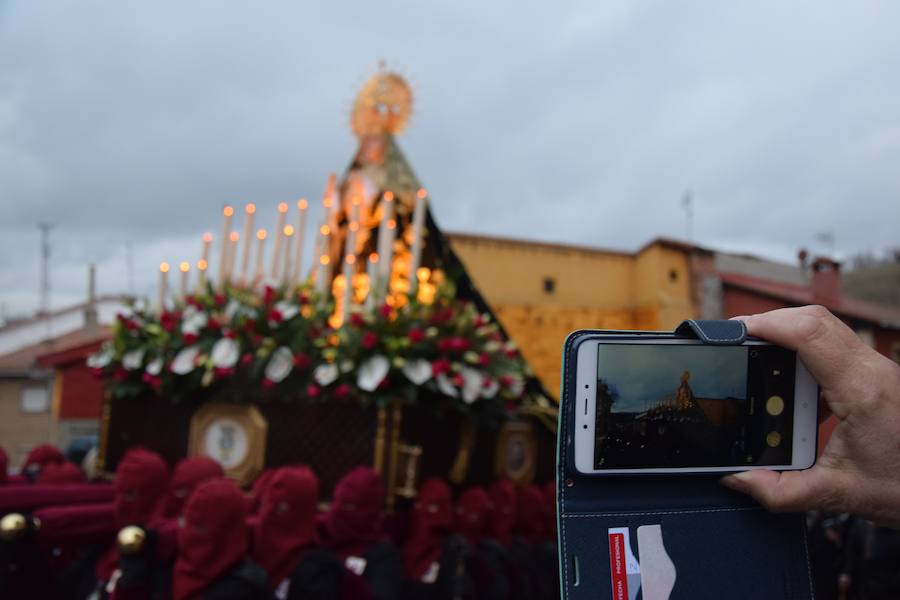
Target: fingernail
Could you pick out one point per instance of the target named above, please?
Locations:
(737, 481)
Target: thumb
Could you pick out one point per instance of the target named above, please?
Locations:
(790, 491)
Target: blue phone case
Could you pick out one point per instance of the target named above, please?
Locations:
(722, 544)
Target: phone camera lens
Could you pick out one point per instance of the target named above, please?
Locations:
(585, 426)
(754, 354)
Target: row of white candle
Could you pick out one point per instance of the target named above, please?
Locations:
(287, 257)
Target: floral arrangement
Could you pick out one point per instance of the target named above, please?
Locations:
(243, 346)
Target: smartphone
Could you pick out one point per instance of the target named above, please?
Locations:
(656, 404)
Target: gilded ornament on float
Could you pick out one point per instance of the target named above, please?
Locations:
(131, 539)
(12, 526)
(383, 105)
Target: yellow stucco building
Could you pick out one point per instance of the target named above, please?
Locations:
(541, 291)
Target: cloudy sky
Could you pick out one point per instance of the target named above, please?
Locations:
(131, 127)
(643, 375)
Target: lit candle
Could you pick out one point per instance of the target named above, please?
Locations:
(202, 265)
(302, 205)
(386, 258)
(204, 259)
(250, 209)
(184, 267)
(323, 264)
(163, 284)
(331, 200)
(279, 241)
(260, 253)
(288, 237)
(387, 206)
(350, 256)
(228, 214)
(372, 272)
(418, 225)
(207, 242)
(233, 238)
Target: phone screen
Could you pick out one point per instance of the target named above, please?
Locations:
(684, 406)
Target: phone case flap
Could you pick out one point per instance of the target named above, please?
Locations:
(650, 537)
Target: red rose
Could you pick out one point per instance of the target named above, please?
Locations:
(313, 391)
(267, 383)
(385, 310)
(303, 299)
(276, 316)
(190, 338)
(369, 340)
(213, 324)
(152, 381)
(221, 299)
(511, 353)
(441, 365)
(224, 371)
(120, 374)
(478, 322)
(416, 335)
(268, 295)
(246, 360)
(384, 385)
(460, 344)
(342, 391)
(302, 361)
(505, 380)
(488, 382)
(250, 325)
(443, 345)
(192, 300)
(356, 320)
(484, 359)
(457, 380)
(169, 320)
(229, 333)
(96, 371)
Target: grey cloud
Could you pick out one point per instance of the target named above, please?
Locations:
(582, 124)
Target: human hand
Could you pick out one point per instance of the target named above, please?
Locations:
(859, 470)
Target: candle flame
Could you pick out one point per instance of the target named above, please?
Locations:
(327, 202)
(163, 267)
(324, 259)
(282, 207)
(202, 265)
(261, 234)
(184, 267)
(250, 208)
(228, 211)
(421, 193)
(373, 258)
(302, 204)
(392, 223)
(354, 226)
(422, 273)
(325, 230)
(207, 237)
(351, 259)
(234, 236)
(356, 201)
(288, 230)
(388, 196)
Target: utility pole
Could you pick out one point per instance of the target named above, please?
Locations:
(45, 267)
(687, 201)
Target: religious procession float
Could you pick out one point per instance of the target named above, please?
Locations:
(377, 350)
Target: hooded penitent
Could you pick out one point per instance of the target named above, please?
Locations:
(213, 538)
(472, 510)
(61, 473)
(260, 485)
(503, 511)
(530, 519)
(141, 479)
(432, 520)
(189, 472)
(355, 520)
(41, 456)
(286, 528)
